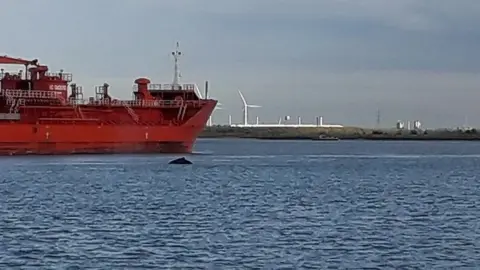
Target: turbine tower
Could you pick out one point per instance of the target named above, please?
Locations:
(245, 108)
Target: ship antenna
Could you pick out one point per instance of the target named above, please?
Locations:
(176, 76)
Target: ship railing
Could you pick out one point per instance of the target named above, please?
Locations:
(134, 103)
(138, 103)
(27, 94)
(18, 75)
(160, 87)
(63, 76)
(75, 102)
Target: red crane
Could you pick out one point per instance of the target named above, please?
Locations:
(17, 61)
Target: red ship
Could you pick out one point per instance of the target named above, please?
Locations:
(39, 115)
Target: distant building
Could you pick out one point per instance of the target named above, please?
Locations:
(400, 125)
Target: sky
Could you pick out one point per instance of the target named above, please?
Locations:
(340, 59)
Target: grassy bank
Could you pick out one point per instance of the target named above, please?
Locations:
(345, 133)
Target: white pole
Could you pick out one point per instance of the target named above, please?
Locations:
(321, 121)
(176, 54)
(245, 115)
(230, 120)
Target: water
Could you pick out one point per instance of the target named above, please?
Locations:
(247, 205)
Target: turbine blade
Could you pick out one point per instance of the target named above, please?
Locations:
(254, 106)
(243, 98)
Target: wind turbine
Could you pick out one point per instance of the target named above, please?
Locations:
(245, 108)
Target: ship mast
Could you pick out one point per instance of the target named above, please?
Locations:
(176, 76)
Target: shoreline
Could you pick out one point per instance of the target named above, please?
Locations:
(347, 139)
(335, 134)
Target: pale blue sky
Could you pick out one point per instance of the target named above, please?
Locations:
(413, 59)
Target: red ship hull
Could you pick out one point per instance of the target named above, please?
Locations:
(98, 138)
(19, 140)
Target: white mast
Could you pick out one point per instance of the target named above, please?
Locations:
(176, 76)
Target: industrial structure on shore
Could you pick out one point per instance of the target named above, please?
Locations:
(282, 122)
(416, 125)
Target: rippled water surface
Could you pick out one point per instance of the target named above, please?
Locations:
(247, 205)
